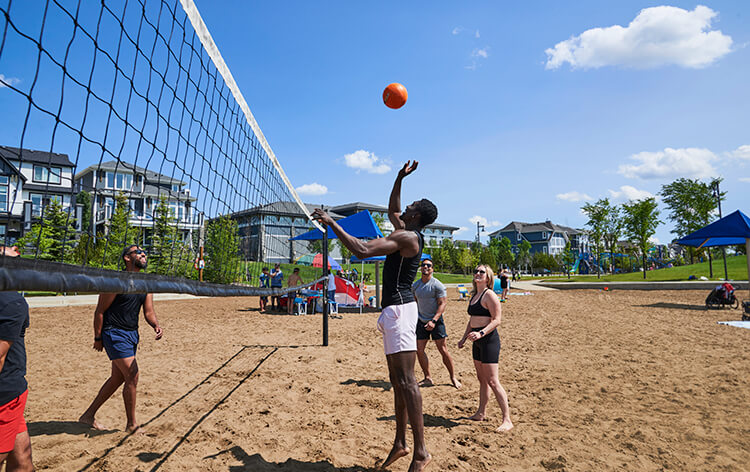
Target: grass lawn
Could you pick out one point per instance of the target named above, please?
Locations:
(736, 267)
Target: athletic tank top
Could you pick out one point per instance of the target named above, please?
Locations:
(398, 275)
(124, 310)
(476, 309)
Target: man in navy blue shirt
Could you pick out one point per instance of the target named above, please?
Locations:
(15, 444)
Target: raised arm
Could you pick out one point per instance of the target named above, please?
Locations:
(394, 203)
(406, 242)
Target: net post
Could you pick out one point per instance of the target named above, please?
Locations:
(325, 285)
(201, 240)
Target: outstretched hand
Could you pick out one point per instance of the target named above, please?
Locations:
(408, 169)
(322, 216)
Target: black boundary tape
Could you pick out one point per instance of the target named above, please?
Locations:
(17, 273)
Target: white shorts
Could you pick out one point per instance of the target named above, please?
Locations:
(398, 323)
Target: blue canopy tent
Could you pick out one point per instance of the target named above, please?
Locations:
(359, 225)
(733, 229)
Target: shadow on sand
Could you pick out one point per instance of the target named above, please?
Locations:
(256, 463)
(430, 421)
(386, 386)
(51, 428)
(679, 306)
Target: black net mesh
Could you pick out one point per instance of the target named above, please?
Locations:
(118, 129)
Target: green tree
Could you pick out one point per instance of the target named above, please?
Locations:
(84, 198)
(597, 214)
(222, 251)
(442, 257)
(163, 240)
(505, 252)
(53, 239)
(691, 205)
(346, 254)
(120, 233)
(641, 219)
(613, 228)
(523, 252)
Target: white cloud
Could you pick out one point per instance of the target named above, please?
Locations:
(472, 66)
(669, 163)
(312, 189)
(628, 193)
(461, 230)
(483, 221)
(745, 179)
(457, 30)
(366, 161)
(476, 34)
(658, 36)
(483, 53)
(573, 196)
(742, 152)
(654, 240)
(5, 81)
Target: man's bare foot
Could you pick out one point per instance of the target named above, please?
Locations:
(91, 422)
(426, 382)
(396, 453)
(506, 426)
(419, 466)
(136, 428)
(477, 417)
(456, 383)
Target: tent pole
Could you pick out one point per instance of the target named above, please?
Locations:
(325, 286)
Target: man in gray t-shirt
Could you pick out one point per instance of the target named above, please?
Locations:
(432, 299)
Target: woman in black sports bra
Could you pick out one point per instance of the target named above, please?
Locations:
(485, 311)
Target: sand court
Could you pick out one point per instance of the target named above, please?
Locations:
(596, 380)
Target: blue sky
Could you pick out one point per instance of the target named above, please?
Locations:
(517, 110)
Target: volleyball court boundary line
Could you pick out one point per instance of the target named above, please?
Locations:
(122, 441)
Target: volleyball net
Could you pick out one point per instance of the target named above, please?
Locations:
(122, 125)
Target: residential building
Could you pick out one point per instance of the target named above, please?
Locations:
(30, 180)
(545, 237)
(265, 230)
(144, 189)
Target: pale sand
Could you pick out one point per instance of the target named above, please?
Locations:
(596, 380)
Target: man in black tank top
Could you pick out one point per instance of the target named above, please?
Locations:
(116, 331)
(398, 322)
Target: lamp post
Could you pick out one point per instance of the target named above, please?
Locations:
(478, 229)
(717, 195)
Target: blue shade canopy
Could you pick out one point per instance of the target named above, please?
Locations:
(359, 225)
(728, 231)
(381, 258)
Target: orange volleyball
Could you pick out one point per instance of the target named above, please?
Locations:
(395, 95)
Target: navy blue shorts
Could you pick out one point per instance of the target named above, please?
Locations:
(438, 332)
(120, 343)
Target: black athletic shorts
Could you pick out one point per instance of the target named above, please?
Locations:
(487, 348)
(438, 332)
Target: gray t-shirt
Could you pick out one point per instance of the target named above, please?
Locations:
(427, 295)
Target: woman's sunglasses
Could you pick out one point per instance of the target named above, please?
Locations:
(479, 271)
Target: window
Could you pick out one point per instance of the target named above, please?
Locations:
(4, 192)
(119, 181)
(3, 230)
(47, 175)
(36, 204)
(175, 188)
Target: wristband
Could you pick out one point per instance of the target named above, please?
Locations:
(481, 333)
(97, 338)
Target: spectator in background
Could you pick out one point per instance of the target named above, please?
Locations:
(263, 282)
(294, 280)
(277, 281)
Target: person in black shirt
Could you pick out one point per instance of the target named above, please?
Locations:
(398, 321)
(15, 444)
(116, 331)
